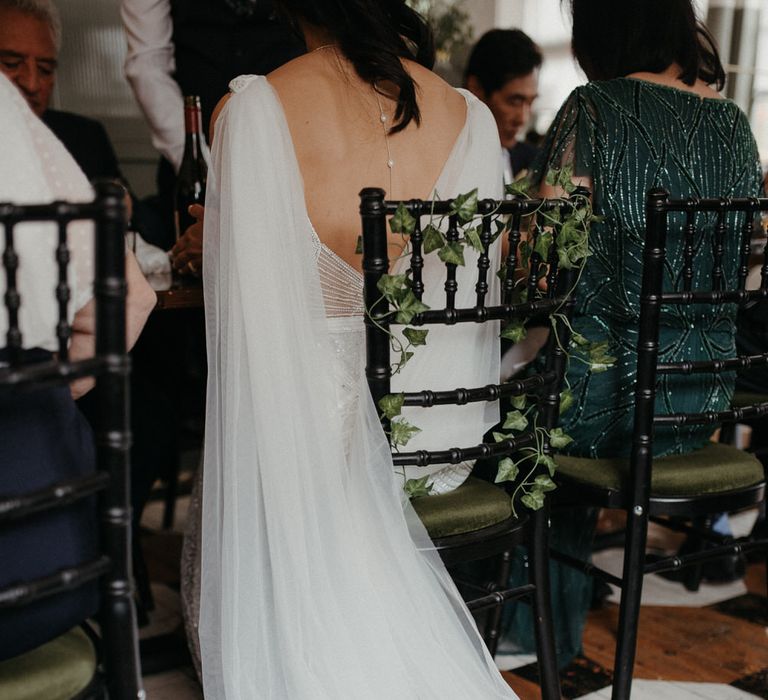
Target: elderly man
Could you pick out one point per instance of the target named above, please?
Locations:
(503, 71)
(30, 38)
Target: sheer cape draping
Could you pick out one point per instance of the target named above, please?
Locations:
(38, 169)
(318, 580)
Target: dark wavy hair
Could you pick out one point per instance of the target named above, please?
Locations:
(501, 55)
(613, 38)
(374, 35)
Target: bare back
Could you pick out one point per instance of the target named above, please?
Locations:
(334, 121)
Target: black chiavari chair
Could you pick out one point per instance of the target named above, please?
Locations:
(93, 498)
(477, 520)
(675, 491)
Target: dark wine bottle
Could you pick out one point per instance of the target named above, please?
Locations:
(193, 171)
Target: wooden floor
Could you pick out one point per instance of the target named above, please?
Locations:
(724, 643)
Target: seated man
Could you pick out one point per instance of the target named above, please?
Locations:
(503, 71)
(30, 38)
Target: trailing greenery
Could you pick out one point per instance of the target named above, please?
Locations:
(571, 225)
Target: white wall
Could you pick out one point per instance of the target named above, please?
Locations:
(90, 81)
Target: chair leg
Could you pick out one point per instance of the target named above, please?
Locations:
(629, 610)
(493, 623)
(692, 574)
(171, 492)
(546, 653)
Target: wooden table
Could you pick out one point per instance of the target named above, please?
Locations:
(177, 291)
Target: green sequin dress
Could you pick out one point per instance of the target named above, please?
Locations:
(630, 136)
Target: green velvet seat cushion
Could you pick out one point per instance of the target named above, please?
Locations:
(474, 505)
(715, 468)
(743, 398)
(58, 670)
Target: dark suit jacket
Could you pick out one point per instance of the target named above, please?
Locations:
(87, 142)
(521, 156)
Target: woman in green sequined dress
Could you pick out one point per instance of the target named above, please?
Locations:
(647, 118)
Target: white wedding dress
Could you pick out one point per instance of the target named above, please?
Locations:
(318, 581)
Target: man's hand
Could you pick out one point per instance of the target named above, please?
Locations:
(187, 254)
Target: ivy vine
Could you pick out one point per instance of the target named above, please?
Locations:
(572, 247)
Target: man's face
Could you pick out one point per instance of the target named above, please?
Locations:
(511, 106)
(28, 56)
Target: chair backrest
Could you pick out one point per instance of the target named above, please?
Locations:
(22, 378)
(521, 300)
(707, 227)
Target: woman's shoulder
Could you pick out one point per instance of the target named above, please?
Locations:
(244, 90)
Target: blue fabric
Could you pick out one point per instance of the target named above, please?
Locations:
(44, 439)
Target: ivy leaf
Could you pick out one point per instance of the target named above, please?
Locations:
(418, 488)
(433, 239)
(514, 331)
(501, 227)
(558, 439)
(402, 221)
(579, 215)
(507, 471)
(359, 246)
(391, 405)
(565, 179)
(563, 259)
(519, 402)
(416, 337)
(548, 462)
(465, 206)
(566, 401)
(579, 339)
(515, 421)
(452, 253)
(525, 253)
(402, 432)
(409, 307)
(393, 287)
(404, 357)
(543, 244)
(533, 500)
(472, 235)
(543, 483)
(599, 359)
(518, 188)
(500, 437)
(551, 177)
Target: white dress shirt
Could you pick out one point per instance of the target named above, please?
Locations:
(149, 68)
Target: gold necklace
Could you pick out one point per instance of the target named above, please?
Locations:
(383, 121)
(324, 46)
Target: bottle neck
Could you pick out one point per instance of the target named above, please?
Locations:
(193, 128)
(193, 121)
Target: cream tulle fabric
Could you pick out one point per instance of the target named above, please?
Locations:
(35, 168)
(318, 580)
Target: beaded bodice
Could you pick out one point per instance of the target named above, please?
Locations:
(342, 285)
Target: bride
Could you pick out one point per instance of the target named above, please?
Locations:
(317, 579)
